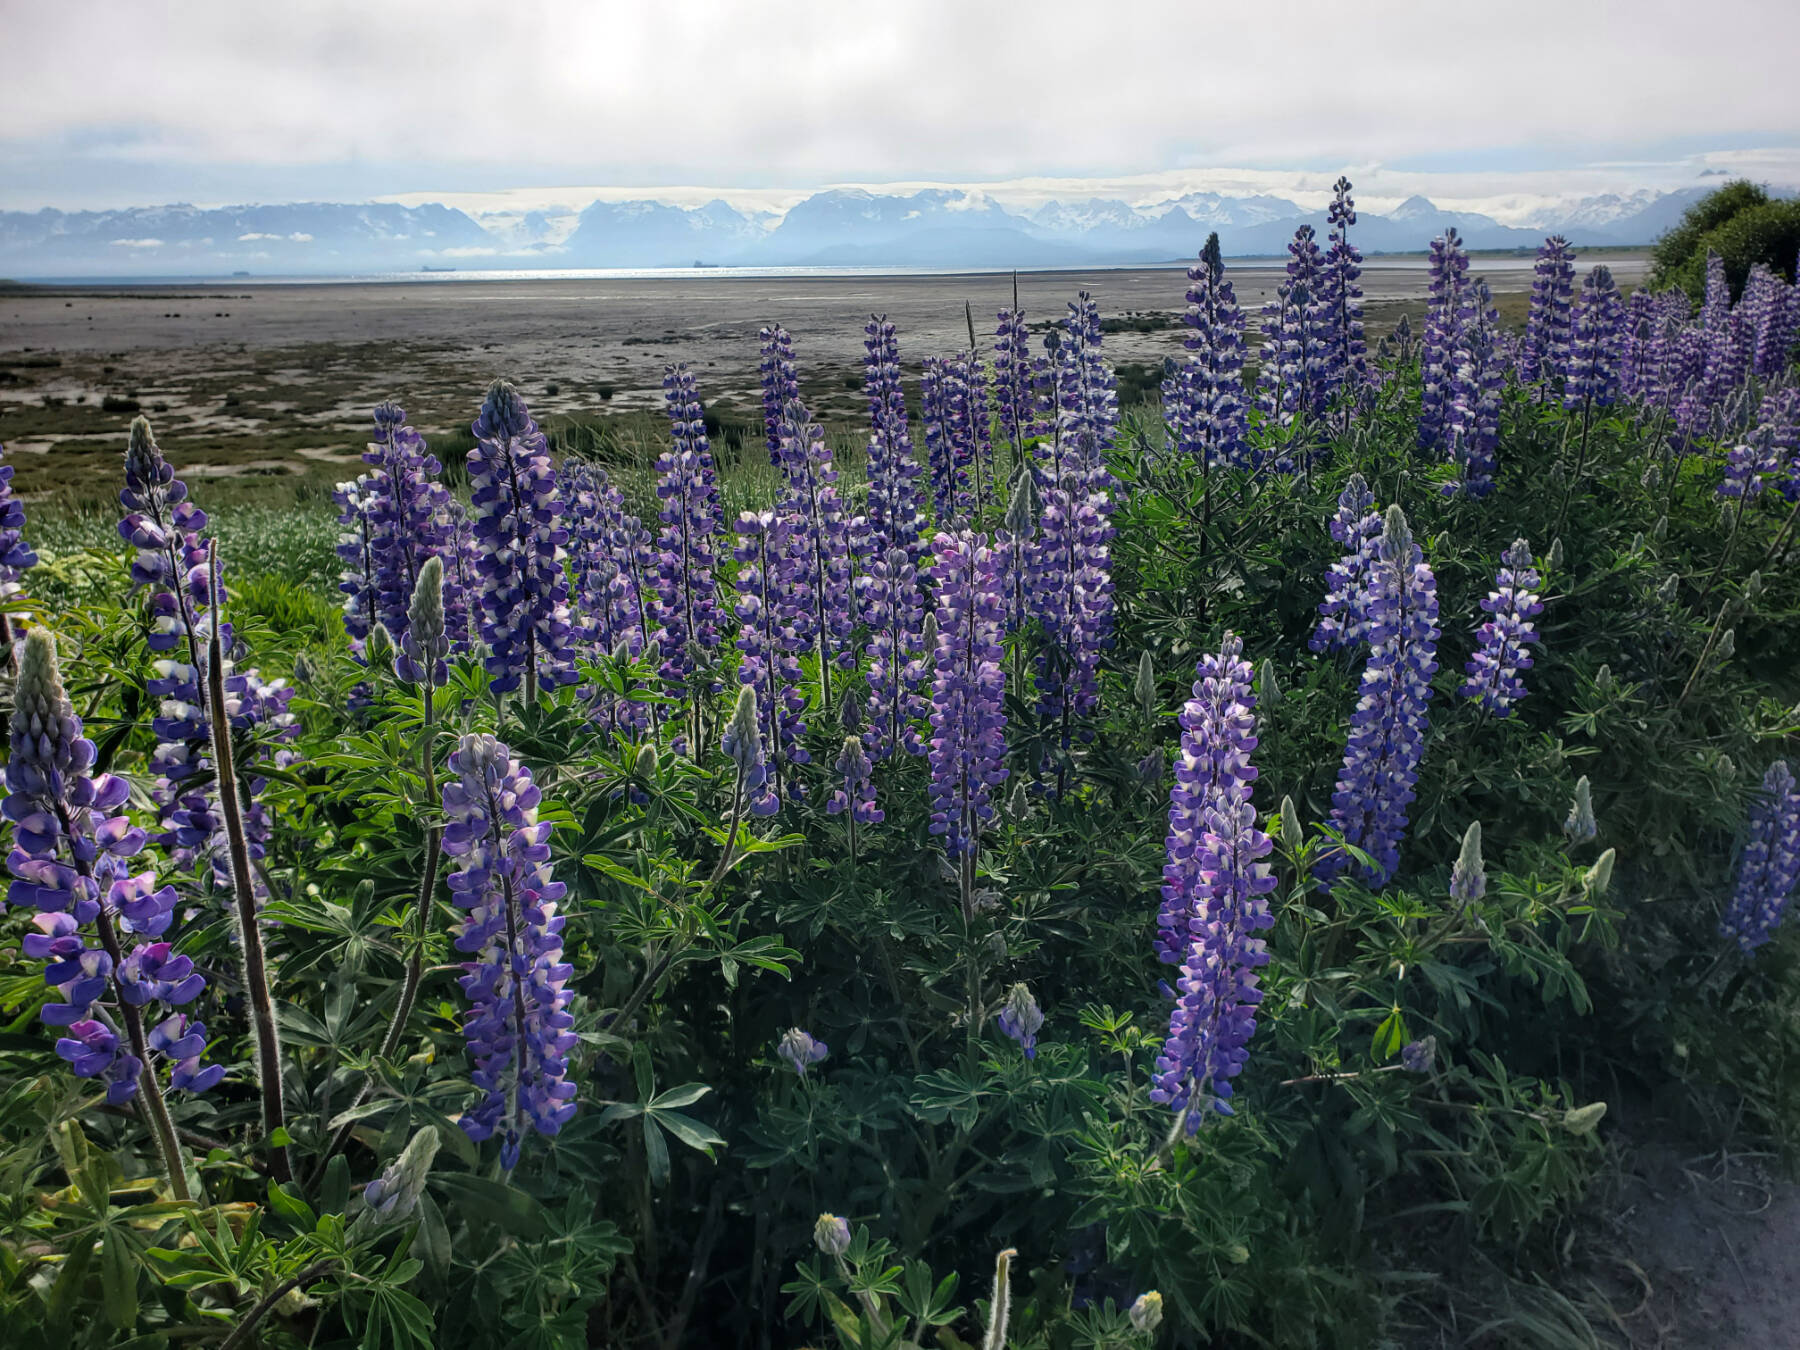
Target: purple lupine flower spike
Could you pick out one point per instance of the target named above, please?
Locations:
(1088, 405)
(409, 518)
(520, 527)
(1591, 377)
(1344, 613)
(1216, 870)
(1212, 773)
(1211, 417)
(1770, 865)
(1505, 638)
(1446, 305)
(1346, 359)
(1472, 420)
(968, 717)
(608, 558)
(892, 519)
(1548, 327)
(1292, 383)
(687, 610)
(856, 791)
(1071, 587)
(518, 1027)
(70, 863)
(1726, 358)
(356, 550)
(1387, 730)
(770, 608)
(1022, 1019)
(819, 543)
(16, 556)
(1019, 380)
(894, 610)
(780, 384)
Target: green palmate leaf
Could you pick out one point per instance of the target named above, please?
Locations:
(119, 1278)
(506, 1207)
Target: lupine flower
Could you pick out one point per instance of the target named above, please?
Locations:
(1216, 864)
(1779, 420)
(780, 383)
(409, 518)
(1468, 875)
(518, 1027)
(1591, 377)
(1749, 466)
(356, 550)
(16, 556)
(1726, 357)
(970, 428)
(894, 610)
(770, 608)
(1211, 417)
(1387, 730)
(1022, 1019)
(1773, 323)
(801, 1050)
(521, 527)
(686, 587)
(1770, 864)
(1503, 640)
(1087, 402)
(968, 712)
(892, 515)
(1017, 544)
(742, 743)
(857, 791)
(1446, 304)
(69, 860)
(1346, 363)
(1547, 324)
(831, 1235)
(1344, 612)
(1213, 774)
(611, 560)
(1293, 382)
(1020, 381)
(1581, 825)
(1072, 597)
(1472, 421)
(819, 542)
(1418, 1056)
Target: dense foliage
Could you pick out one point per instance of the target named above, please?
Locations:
(1208, 866)
(1743, 225)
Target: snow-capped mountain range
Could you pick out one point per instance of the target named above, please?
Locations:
(931, 227)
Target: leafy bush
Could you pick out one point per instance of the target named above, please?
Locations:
(1742, 225)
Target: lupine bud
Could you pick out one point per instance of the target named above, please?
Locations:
(1661, 530)
(800, 1050)
(1292, 836)
(1419, 1056)
(425, 649)
(1651, 479)
(1727, 768)
(644, 765)
(1599, 876)
(742, 744)
(1581, 826)
(1468, 878)
(1553, 560)
(1021, 1019)
(1727, 645)
(1753, 586)
(1145, 687)
(1146, 1312)
(1637, 542)
(1670, 589)
(1018, 805)
(394, 1194)
(831, 1235)
(1268, 688)
(1583, 1119)
(1603, 680)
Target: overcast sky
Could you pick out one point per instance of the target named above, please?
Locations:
(118, 102)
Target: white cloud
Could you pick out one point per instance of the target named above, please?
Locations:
(696, 90)
(137, 243)
(255, 235)
(300, 237)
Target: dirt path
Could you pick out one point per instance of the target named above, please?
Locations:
(1715, 1241)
